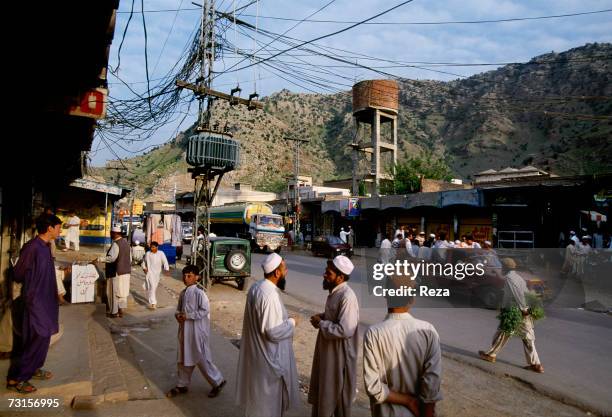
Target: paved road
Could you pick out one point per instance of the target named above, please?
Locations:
(574, 345)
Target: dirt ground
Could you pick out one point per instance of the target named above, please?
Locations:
(468, 391)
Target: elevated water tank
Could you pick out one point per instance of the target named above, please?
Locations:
(376, 94)
(214, 151)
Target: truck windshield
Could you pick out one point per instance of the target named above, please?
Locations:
(271, 221)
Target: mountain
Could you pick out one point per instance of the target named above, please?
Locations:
(554, 112)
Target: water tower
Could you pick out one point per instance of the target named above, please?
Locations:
(375, 107)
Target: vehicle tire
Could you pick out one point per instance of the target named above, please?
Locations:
(235, 260)
(240, 283)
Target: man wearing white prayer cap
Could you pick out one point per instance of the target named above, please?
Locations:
(267, 380)
(271, 262)
(333, 380)
(118, 269)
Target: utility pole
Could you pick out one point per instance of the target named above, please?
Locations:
(296, 191)
(117, 168)
(204, 174)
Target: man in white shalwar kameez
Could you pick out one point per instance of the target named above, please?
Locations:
(333, 380)
(152, 265)
(118, 268)
(385, 254)
(514, 295)
(402, 361)
(193, 316)
(267, 380)
(72, 235)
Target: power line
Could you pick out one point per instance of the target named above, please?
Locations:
(285, 32)
(127, 25)
(448, 22)
(325, 36)
(167, 37)
(146, 56)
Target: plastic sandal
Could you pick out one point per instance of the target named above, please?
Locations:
(42, 374)
(23, 387)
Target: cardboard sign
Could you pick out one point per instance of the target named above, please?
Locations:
(83, 283)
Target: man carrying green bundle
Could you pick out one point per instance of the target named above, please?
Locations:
(515, 291)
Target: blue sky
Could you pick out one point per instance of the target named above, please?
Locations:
(169, 31)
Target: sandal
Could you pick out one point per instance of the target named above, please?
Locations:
(483, 355)
(176, 391)
(23, 387)
(42, 374)
(535, 368)
(216, 390)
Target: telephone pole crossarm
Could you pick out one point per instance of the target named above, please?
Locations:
(205, 91)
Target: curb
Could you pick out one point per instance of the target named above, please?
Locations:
(108, 381)
(552, 393)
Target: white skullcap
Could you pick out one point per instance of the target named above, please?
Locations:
(116, 229)
(432, 235)
(487, 242)
(572, 232)
(421, 233)
(586, 237)
(136, 242)
(457, 242)
(271, 262)
(343, 264)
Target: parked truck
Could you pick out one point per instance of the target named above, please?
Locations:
(252, 221)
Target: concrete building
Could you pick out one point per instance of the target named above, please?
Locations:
(491, 175)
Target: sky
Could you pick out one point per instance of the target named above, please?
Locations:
(169, 31)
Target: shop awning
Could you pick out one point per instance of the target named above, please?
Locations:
(370, 203)
(393, 201)
(423, 199)
(333, 205)
(461, 197)
(595, 216)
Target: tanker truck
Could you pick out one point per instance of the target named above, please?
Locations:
(252, 221)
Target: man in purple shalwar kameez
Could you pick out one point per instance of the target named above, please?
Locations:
(36, 311)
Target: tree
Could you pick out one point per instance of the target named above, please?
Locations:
(408, 173)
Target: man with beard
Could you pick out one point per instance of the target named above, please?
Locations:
(118, 269)
(333, 379)
(267, 375)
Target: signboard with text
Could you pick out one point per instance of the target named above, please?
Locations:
(83, 283)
